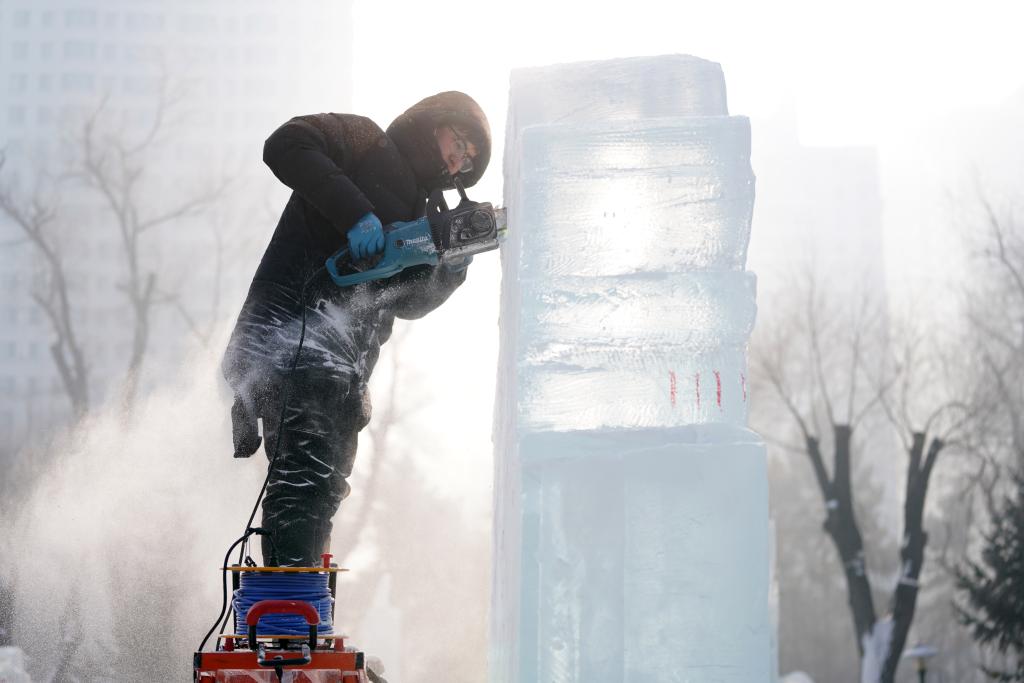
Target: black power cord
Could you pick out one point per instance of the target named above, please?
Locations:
(249, 529)
(435, 204)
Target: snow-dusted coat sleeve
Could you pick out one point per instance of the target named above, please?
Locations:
(301, 157)
(417, 291)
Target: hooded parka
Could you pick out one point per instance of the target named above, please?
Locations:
(340, 167)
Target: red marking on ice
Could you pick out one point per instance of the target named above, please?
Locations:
(697, 376)
(672, 387)
(718, 388)
(743, 383)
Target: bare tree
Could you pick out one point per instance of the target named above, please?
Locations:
(36, 217)
(109, 165)
(832, 372)
(994, 299)
(117, 168)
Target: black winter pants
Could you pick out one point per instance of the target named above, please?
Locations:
(318, 441)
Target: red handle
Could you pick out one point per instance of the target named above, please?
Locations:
(300, 607)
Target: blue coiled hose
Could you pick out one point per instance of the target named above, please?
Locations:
(312, 588)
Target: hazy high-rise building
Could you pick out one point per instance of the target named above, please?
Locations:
(818, 210)
(219, 76)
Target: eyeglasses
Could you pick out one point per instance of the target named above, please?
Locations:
(462, 148)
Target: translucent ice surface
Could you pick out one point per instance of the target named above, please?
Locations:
(636, 350)
(668, 194)
(617, 90)
(631, 522)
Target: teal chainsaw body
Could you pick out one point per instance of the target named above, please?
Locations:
(444, 236)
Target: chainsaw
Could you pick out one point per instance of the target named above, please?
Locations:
(444, 236)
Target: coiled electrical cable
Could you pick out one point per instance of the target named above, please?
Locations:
(309, 587)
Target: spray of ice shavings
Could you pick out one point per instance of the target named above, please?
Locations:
(118, 547)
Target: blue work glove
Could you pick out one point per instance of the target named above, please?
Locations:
(366, 237)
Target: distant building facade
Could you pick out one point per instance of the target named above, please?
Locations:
(817, 208)
(227, 72)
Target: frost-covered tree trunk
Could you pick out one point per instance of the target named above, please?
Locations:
(880, 640)
(830, 370)
(884, 644)
(841, 526)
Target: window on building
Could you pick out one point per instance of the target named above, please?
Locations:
(263, 23)
(44, 115)
(12, 280)
(72, 114)
(21, 18)
(45, 51)
(197, 23)
(80, 18)
(19, 50)
(45, 82)
(257, 54)
(141, 52)
(140, 85)
(144, 21)
(19, 83)
(16, 115)
(79, 50)
(77, 82)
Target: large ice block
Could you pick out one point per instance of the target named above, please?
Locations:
(621, 537)
(617, 90)
(668, 194)
(634, 350)
(631, 522)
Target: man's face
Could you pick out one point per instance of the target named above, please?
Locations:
(456, 149)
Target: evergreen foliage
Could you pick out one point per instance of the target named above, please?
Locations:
(993, 587)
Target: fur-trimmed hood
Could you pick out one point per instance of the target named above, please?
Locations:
(413, 134)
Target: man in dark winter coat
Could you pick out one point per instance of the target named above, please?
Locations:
(349, 178)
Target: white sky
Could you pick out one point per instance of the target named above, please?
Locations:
(852, 67)
(865, 72)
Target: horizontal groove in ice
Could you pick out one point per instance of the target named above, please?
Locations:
(604, 231)
(569, 357)
(610, 222)
(610, 442)
(648, 147)
(672, 389)
(646, 310)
